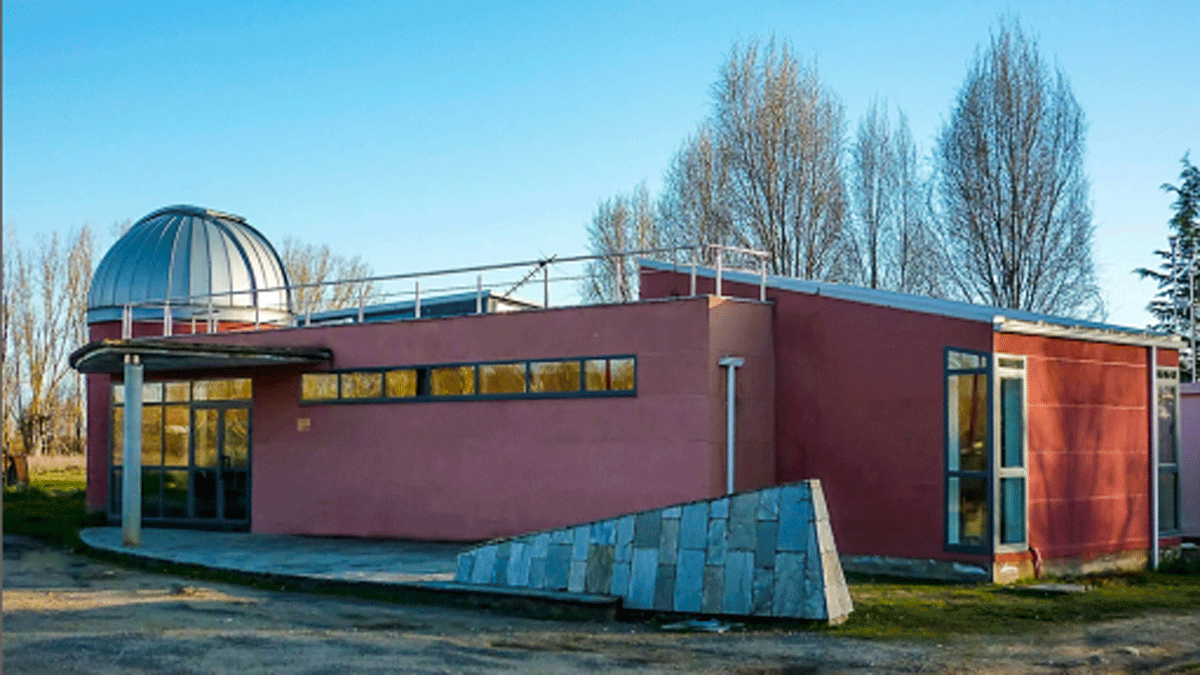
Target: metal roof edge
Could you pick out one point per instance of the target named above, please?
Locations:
(1011, 321)
(1145, 339)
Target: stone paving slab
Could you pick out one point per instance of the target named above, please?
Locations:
(327, 558)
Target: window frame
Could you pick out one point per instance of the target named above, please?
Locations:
(988, 475)
(1000, 373)
(162, 402)
(1168, 376)
(423, 370)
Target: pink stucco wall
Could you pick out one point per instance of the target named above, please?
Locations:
(1189, 460)
(462, 470)
(737, 329)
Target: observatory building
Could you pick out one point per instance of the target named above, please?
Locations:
(952, 440)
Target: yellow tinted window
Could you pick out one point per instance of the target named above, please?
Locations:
(502, 378)
(452, 381)
(362, 385)
(401, 383)
(596, 374)
(178, 391)
(318, 386)
(621, 374)
(554, 376)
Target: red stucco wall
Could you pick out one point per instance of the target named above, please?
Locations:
(476, 469)
(1089, 466)
(859, 405)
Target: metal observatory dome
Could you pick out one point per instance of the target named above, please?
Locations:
(205, 264)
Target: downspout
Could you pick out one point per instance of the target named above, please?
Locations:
(1153, 406)
(131, 493)
(731, 363)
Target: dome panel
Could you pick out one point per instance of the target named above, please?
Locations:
(193, 259)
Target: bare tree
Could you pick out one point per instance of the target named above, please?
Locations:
(918, 263)
(621, 224)
(1014, 204)
(310, 264)
(780, 135)
(45, 303)
(874, 186)
(695, 206)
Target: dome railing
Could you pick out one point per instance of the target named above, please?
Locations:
(565, 281)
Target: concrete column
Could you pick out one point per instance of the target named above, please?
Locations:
(131, 494)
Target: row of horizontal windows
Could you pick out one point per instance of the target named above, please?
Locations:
(236, 389)
(533, 377)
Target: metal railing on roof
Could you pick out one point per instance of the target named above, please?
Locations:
(563, 282)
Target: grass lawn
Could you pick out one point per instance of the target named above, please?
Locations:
(916, 610)
(52, 507)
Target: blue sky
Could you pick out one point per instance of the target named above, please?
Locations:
(429, 135)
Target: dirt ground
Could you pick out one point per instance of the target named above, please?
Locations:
(70, 614)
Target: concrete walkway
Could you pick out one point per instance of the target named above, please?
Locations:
(405, 571)
(318, 558)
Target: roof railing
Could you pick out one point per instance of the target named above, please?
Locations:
(363, 293)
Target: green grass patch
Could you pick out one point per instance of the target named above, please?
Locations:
(916, 610)
(53, 516)
(64, 480)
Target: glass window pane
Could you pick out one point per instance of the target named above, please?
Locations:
(237, 443)
(152, 441)
(152, 392)
(362, 385)
(621, 374)
(401, 383)
(115, 491)
(176, 432)
(178, 391)
(967, 419)
(549, 376)
(1167, 446)
(502, 378)
(204, 493)
(962, 360)
(966, 510)
(118, 436)
(151, 494)
(1012, 510)
(210, 390)
(318, 386)
(118, 393)
(175, 494)
(240, 389)
(596, 374)
(1012, 423)
(234, 486)
(453, 381)
(206, 437)
(1168, 500)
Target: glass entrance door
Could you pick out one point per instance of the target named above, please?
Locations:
(220, 468)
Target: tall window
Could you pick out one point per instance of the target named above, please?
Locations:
(1010, 483)
(967, 445)
(188, 428)
(1168, 450)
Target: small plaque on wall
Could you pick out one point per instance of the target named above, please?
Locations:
(303, 423)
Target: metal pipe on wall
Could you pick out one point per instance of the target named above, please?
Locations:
(1153, 405)
(731, 363)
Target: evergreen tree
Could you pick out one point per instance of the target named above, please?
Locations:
(1172, 305)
